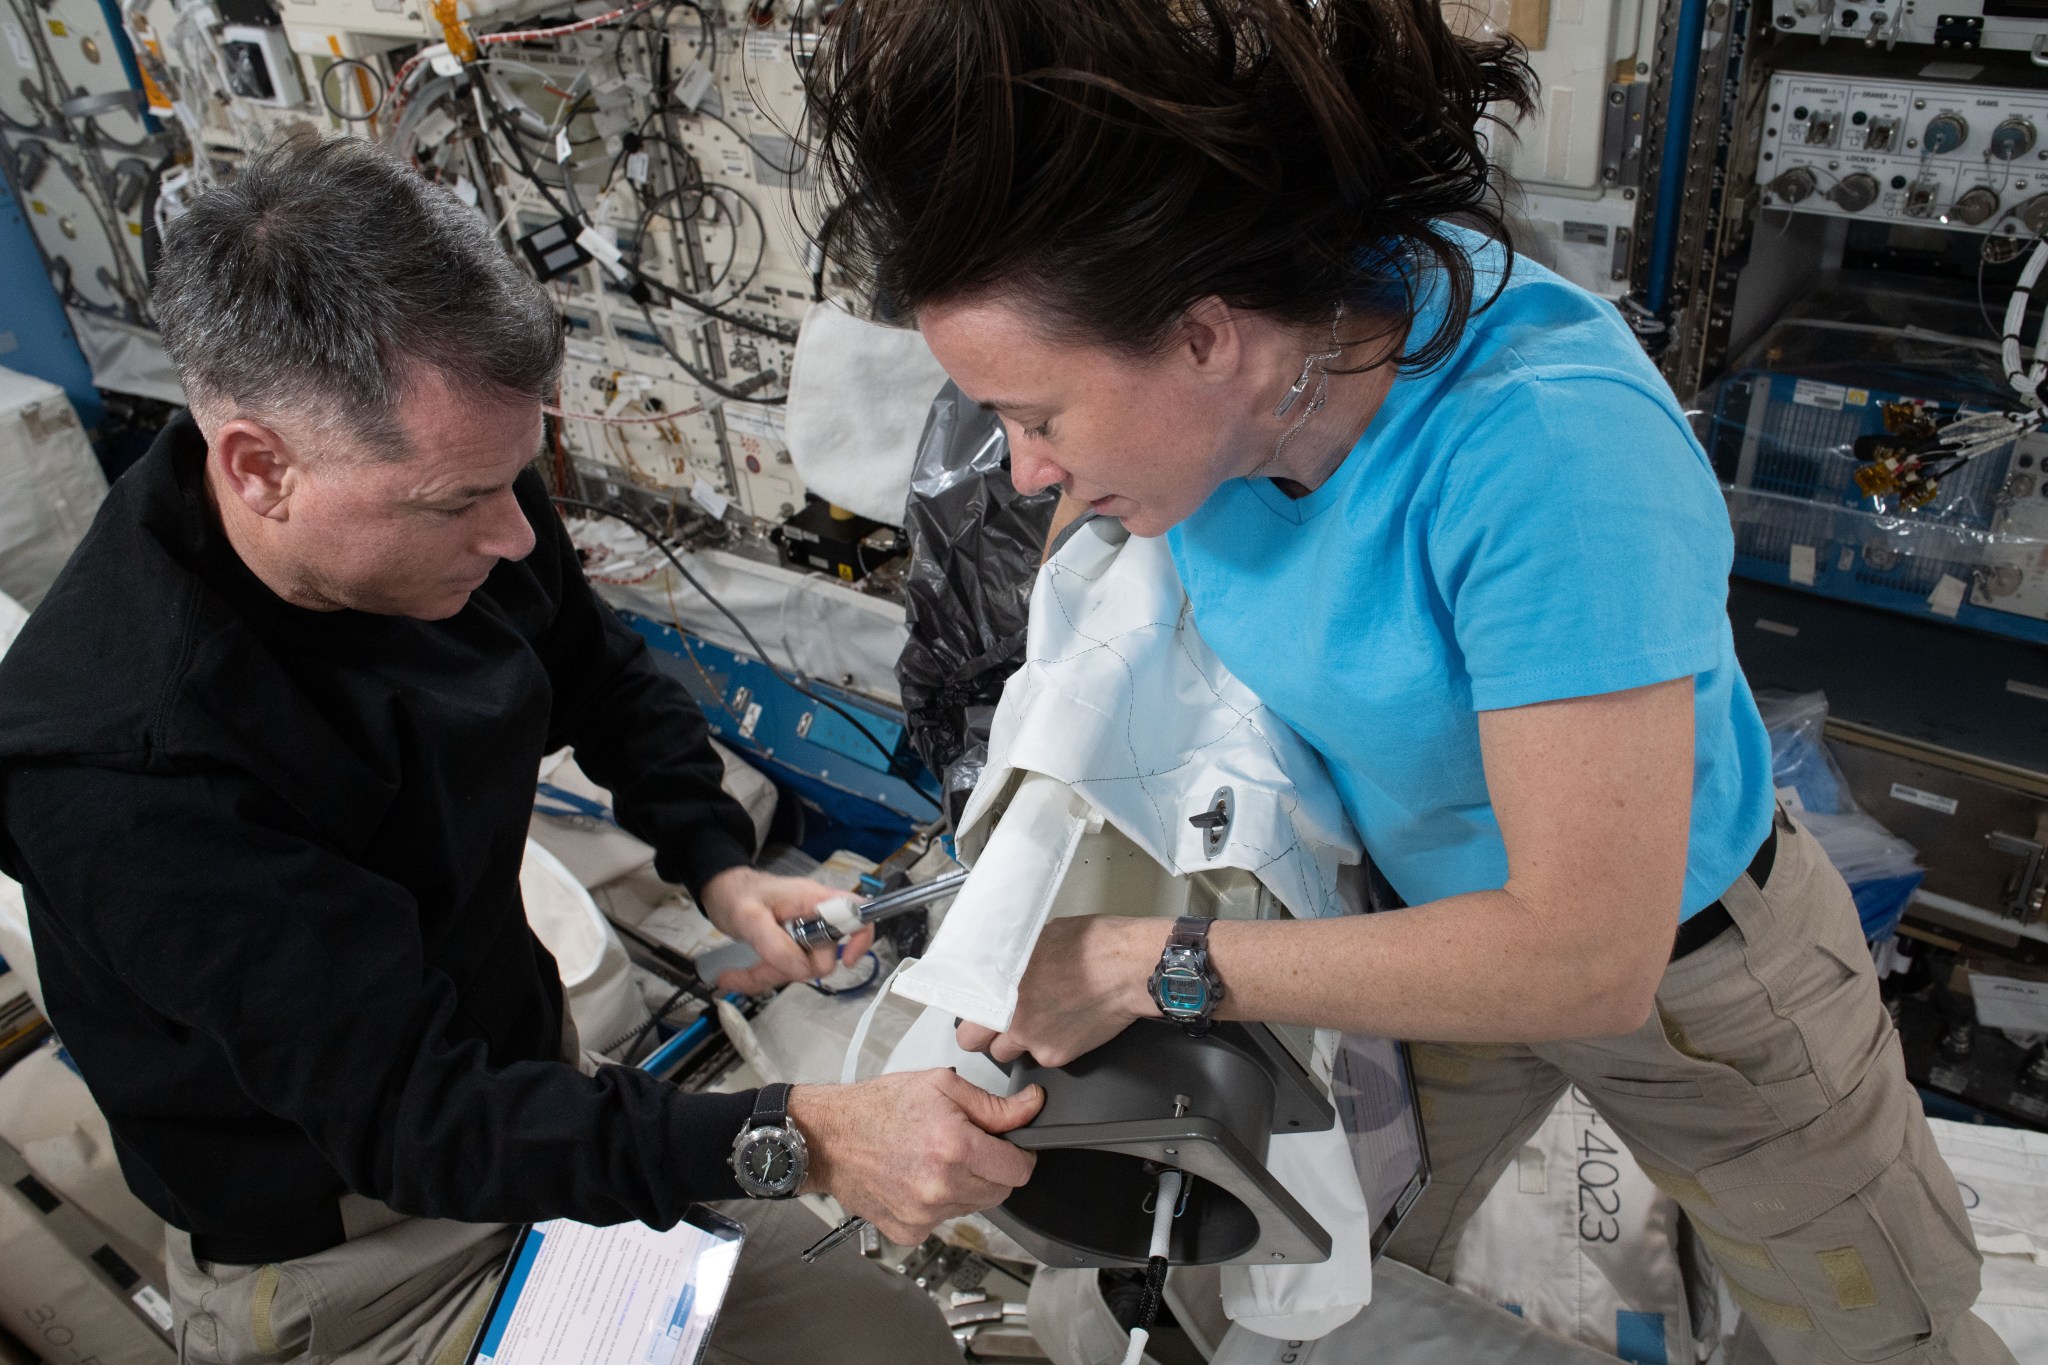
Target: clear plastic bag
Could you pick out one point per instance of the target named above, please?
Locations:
(1857, 363)
(1883, 870)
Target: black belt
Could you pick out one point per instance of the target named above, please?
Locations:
(1710, 923)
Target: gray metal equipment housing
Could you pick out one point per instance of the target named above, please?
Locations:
(1154, 1098)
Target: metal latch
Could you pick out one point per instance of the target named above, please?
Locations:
(2022, 894)
(1215, 822)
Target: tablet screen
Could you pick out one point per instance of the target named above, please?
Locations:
(624, 1295)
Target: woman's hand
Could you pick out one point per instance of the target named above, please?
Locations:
(752, 905)
(1086, 983)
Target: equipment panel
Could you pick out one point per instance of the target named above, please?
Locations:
(1944, 25)
(1950, 146)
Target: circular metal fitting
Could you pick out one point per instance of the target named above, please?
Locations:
(1946, 132)
(1974, 206)
(1855, 193)
(2012, 139)
(1795, 185)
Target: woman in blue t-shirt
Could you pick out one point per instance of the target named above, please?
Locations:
(1436, 508)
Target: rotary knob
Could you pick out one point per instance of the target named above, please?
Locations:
(2012, 139)
(1945, 133)
(1974, 206)
(1794, 185)
(1854, 193)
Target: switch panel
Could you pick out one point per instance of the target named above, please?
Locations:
(1940, 143)
(1953, 26)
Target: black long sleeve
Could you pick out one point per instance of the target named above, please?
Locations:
(306, 979)
(271, 859)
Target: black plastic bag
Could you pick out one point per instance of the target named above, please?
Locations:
(975, 544)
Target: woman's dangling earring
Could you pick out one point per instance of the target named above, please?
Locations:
(1316, 363)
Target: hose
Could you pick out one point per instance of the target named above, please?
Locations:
(1163, 1211)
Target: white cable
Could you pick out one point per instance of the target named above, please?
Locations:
(1162, 1213)
(1162, 1232)
(2026, 380)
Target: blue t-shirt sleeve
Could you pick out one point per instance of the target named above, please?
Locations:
(1580, 544)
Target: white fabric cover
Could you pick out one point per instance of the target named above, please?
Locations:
(811, 623)
(15, 947)
(1523, 1246)
(1120, 725)
(1414, 1320)
(601, 853)
(858, 396)
(13, 616)
(1524, 1250)
(597, 976)
(1122, 715)
(126, 358)
(2003, 1175)
(50, 485)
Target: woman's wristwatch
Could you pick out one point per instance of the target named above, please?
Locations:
(770, 1157)
(1184, 985)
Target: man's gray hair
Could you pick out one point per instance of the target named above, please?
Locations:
(314, 282)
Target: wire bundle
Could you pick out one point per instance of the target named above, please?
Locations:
(2026, 380)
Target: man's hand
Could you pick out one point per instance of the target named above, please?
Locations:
(752, 905)
(1085, 985)
(911, 1150)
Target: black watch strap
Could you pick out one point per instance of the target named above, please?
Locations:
(771, 1106)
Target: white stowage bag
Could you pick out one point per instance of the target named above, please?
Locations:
(2003, 1176)
(1575, 1239)
(858, 396)
(1120, 726)
(597, 976)
(53, 483)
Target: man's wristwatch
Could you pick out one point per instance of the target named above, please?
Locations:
(1184, 985)
(770, 1157)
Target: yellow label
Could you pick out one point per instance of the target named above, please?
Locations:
(135, 229)
(57, 28)
(37, 205)
(846, 572)
(1856, 398)
(159, 102)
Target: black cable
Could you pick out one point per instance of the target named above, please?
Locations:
(821, 244)
(654, 538)
(705, 380)
(547, 192)
(760, 238)
(647, 1026)
(376, 106)
(669, 964)
(141, 144)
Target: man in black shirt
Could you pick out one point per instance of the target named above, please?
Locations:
(267, 754)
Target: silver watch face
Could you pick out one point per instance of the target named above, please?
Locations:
(769, 1162)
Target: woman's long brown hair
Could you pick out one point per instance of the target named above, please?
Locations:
(1110, 162)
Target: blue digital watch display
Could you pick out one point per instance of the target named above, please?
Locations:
(1182, 990)
(1184, 986)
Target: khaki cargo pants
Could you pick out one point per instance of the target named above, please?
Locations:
(1767, 1095)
